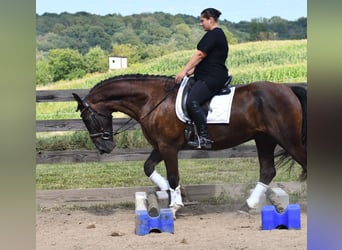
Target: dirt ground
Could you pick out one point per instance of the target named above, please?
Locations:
(199, 226)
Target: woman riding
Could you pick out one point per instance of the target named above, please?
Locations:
(210, 73)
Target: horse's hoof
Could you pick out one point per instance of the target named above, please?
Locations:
(175, 208)
(280, 209)
(244, 209)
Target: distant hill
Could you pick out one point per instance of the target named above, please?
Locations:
(155, 31)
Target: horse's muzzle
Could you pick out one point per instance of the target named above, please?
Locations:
(104, 146)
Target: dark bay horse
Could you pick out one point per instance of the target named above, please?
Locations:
(271, 114)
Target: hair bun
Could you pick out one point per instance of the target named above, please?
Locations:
(211, 12)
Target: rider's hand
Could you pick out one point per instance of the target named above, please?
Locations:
(180, 76)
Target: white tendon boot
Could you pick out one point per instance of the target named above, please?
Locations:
(175, 200)
(256, 194)
(159, 180)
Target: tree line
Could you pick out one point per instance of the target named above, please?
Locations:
(88, 39)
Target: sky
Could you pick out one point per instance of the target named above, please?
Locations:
(233, 11)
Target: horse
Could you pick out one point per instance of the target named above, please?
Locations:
(269, 113)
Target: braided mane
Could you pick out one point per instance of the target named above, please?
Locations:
(130, 77)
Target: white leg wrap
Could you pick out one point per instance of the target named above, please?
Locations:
(257, 192)
(176, 197)
(159, 180)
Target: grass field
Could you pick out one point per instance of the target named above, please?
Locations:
(131, 173)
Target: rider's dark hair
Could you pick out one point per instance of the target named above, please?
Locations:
(211, 12)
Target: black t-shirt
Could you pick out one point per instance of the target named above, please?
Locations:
(212, 68)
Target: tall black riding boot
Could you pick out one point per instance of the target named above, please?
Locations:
(200, 120)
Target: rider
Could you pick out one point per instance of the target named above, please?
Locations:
(210, 73)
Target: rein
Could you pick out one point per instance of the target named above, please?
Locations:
(161, 101)
(116, 132)
(119, 131)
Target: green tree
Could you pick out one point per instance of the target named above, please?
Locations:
(230, 37)
(127, 36)
(164, 19)
(43, 72)
(83, 31)
(58, 28)
(96, 36)
(76, 37)
(50, 41)
(183, 29)
(258, 30)
(96, 60)
(66, 64)
(127, 50)
(113, 23)
(279, 26)
(298, 29)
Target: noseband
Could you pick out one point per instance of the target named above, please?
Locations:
(105, 135)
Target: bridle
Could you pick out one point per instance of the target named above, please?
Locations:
(105, 135)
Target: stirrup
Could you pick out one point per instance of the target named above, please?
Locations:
(201, 142)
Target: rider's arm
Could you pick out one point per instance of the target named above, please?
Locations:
(190, 72)
(196, 58)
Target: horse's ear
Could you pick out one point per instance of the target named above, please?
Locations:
(80, 105)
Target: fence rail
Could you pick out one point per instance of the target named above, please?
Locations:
(59, 95)
(45, 157)
(75, 125)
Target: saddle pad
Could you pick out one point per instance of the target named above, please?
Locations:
(219, 108)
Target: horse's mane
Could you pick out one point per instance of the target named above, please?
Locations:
(131, 77)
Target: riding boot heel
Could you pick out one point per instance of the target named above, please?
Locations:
(202, 142)
(206, 143)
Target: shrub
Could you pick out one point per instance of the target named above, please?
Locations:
(43, 72)
(66, 64)
(96, 60)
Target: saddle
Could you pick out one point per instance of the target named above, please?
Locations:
(224, 91)
(190, 131)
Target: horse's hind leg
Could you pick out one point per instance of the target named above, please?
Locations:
(154, 176)
(265, 147)
(298, 152)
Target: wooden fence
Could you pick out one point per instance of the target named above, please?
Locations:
(117, 154)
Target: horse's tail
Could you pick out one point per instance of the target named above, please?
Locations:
(284, 156)
(301, 94)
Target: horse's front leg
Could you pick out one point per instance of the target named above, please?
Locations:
(151, 172)
(170, 157)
